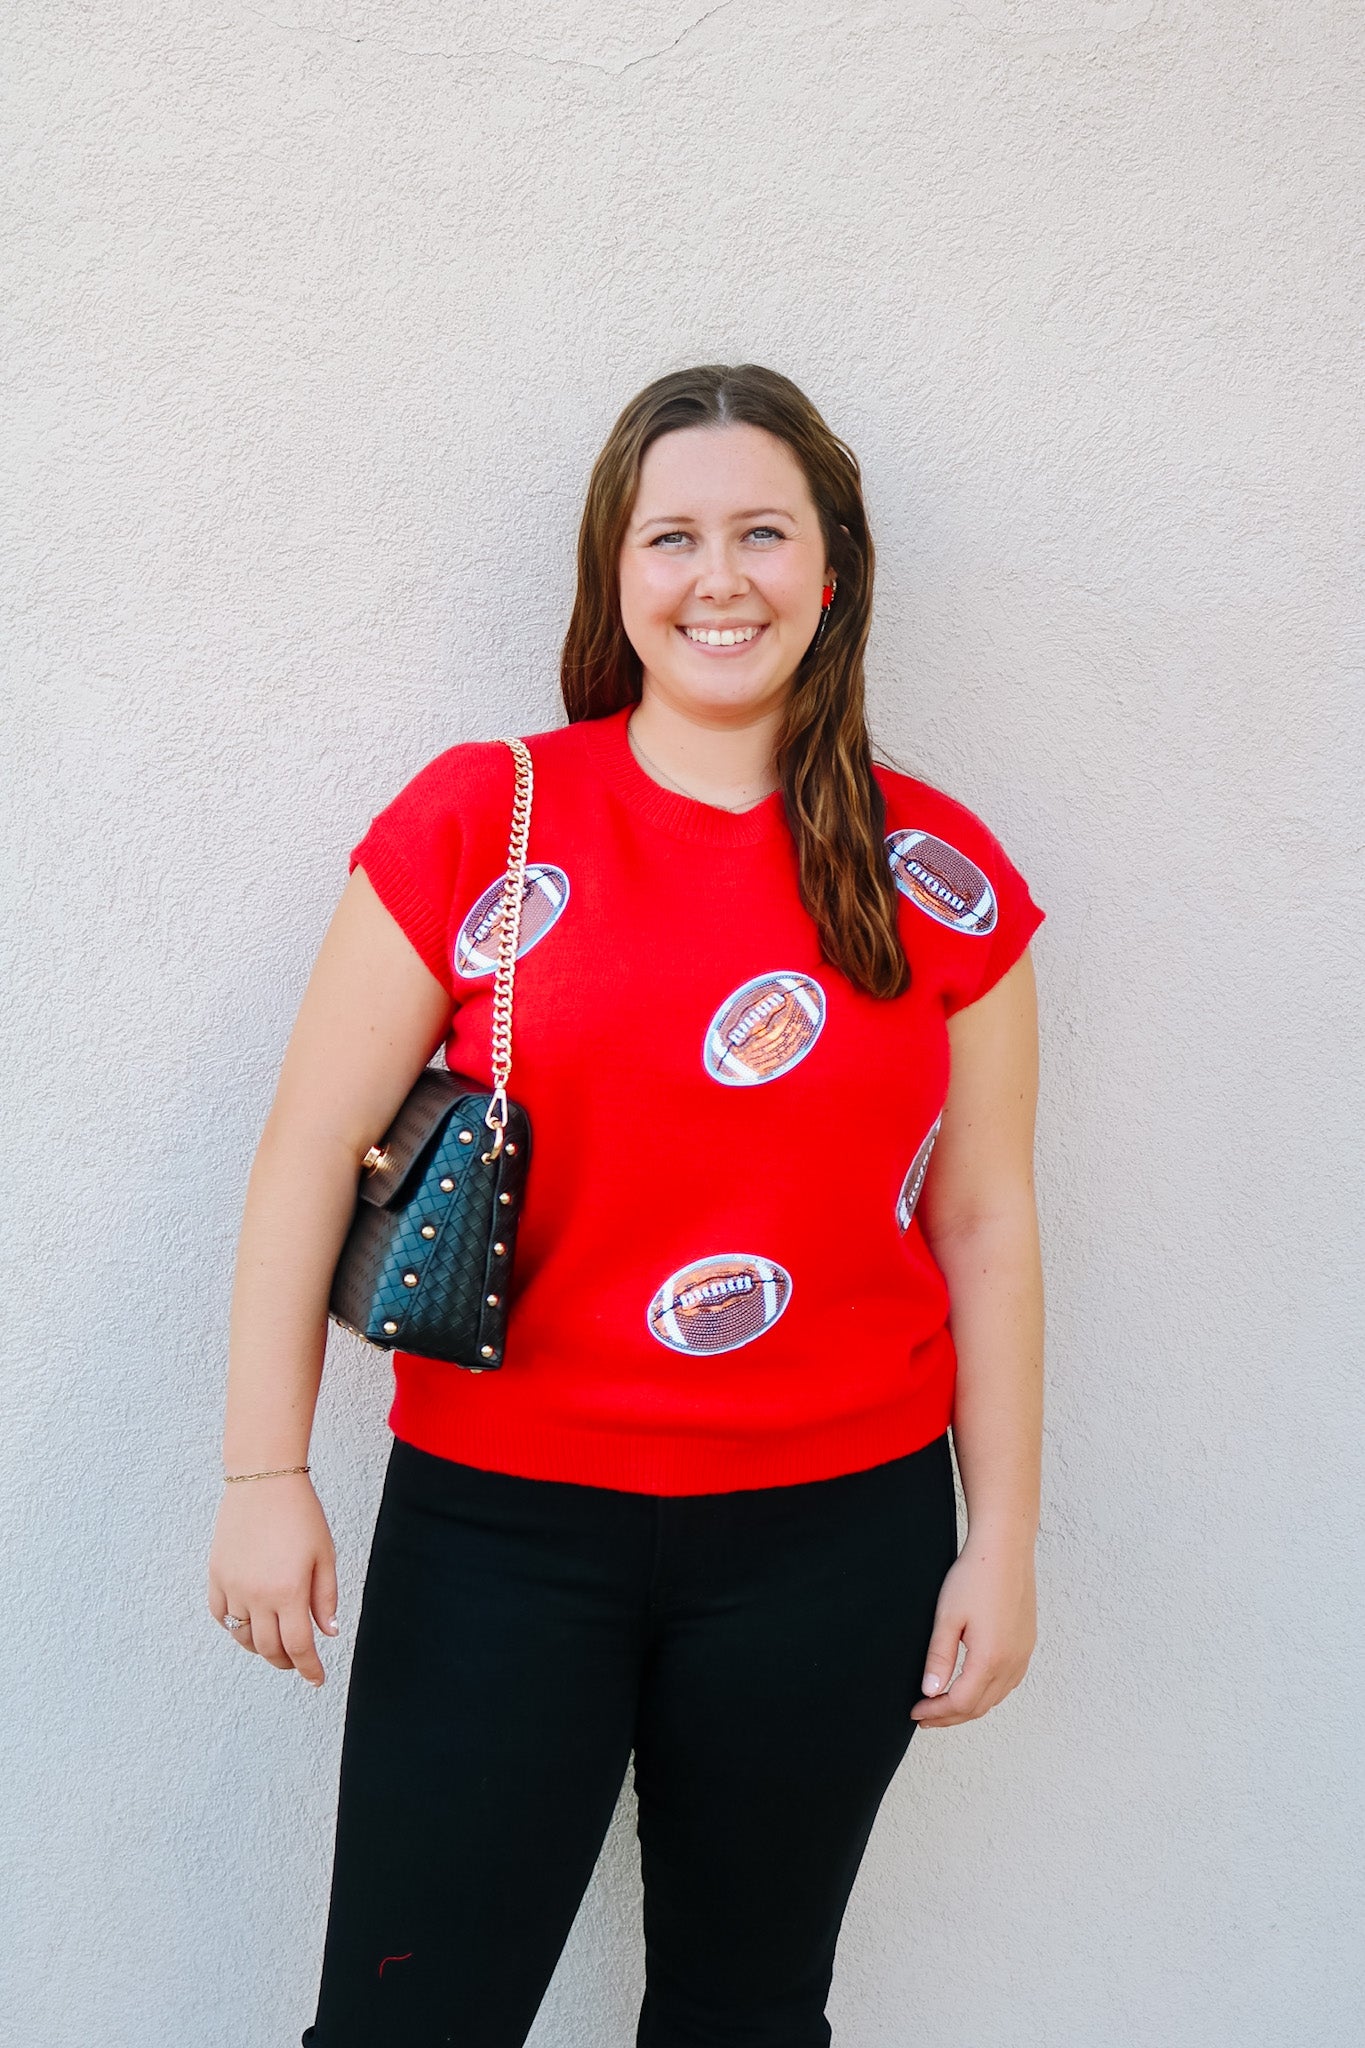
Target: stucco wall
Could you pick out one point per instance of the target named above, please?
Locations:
(322, 308)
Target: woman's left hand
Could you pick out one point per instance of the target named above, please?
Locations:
(988, 1601)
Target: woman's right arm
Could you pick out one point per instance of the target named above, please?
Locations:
(371, 1017)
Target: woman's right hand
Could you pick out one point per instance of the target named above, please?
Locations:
(274, 1564)
(372, 1015)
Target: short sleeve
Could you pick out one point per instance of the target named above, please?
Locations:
(411, 854)
(1017, 919)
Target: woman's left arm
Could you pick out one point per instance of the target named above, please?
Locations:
(979, 1219)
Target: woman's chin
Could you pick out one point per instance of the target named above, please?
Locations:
(729, 690)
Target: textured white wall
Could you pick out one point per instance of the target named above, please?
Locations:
(321, 310)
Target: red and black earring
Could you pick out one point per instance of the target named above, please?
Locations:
(826, 600)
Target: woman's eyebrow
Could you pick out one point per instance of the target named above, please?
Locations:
(685, 518)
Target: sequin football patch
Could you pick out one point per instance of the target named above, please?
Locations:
(914, 1179)
(763, 1028)
(542, 904)
(942, 882)
(719, 1303)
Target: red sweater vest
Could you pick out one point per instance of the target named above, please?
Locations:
(720, 1282)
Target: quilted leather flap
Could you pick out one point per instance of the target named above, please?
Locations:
(412, 1137)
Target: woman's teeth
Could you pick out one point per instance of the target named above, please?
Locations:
(707, 636)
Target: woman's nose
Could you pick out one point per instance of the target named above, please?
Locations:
(720, 574)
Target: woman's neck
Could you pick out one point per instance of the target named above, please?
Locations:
(728, 765)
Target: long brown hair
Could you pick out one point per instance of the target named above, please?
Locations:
(834, 806)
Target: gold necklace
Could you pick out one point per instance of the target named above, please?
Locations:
(735, 809)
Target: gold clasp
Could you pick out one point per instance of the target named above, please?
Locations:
(497, 1125)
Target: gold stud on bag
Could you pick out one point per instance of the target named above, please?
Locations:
(427, 1260)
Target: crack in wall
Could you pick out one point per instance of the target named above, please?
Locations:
(1101, 20)
(492, 53)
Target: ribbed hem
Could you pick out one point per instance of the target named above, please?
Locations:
(1007, 948)
(607, 746)
(663, 1464)
(395, 886)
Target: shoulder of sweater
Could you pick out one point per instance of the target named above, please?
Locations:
(914, 804)
(462, 773)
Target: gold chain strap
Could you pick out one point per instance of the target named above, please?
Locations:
(509, 938)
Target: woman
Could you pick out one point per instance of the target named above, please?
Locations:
(703, 1511)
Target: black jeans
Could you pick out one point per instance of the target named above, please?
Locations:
(759, 1651)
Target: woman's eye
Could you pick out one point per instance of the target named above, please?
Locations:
(659, 538)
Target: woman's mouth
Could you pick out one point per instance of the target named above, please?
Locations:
(722, 639)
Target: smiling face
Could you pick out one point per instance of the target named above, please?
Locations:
(723, 539)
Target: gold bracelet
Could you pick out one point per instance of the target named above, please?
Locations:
(231, 1478)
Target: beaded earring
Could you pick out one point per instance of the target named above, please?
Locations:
(826, 600)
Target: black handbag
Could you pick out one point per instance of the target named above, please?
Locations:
(427, 1262)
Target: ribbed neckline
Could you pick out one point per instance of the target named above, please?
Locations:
(608, 747)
